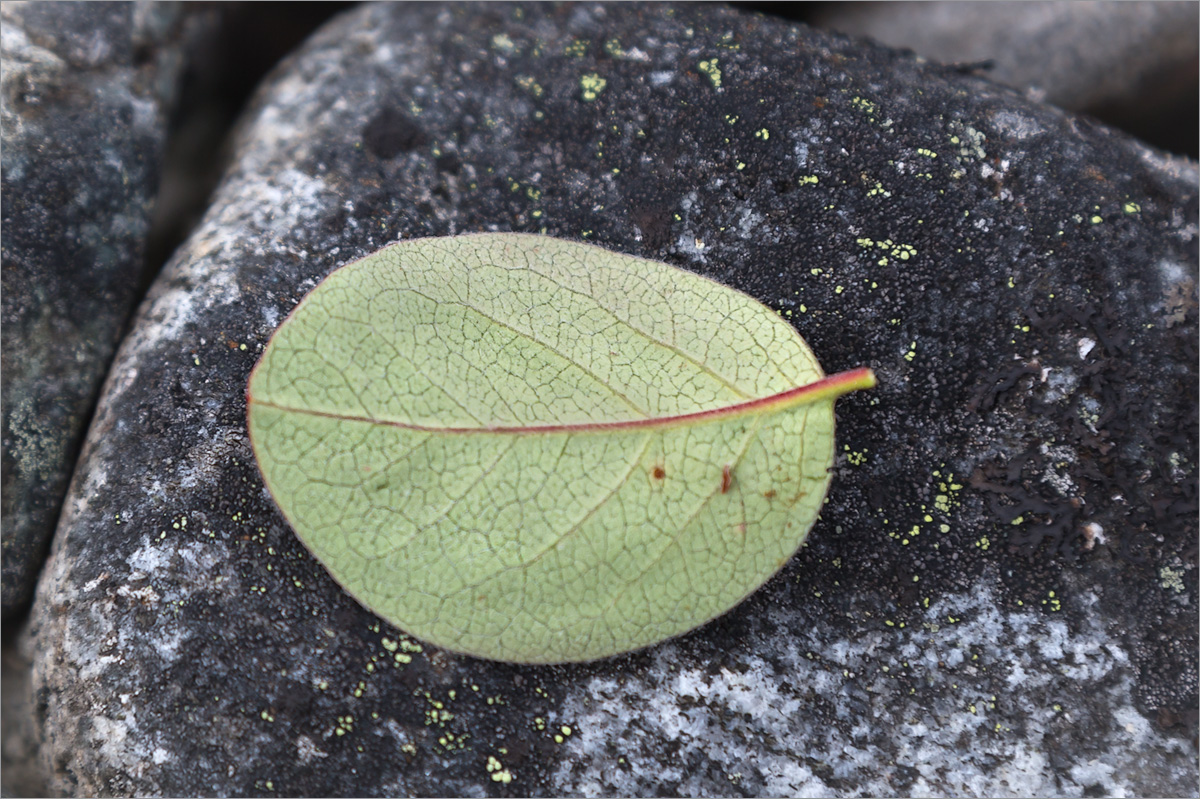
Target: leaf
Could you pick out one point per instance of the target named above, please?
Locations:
(535, 450)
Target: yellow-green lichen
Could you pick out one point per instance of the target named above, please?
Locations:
(1171, 579)
(452, 742)
(591, 85)
(497, 771)
(711, 68)
(893, 249)
(530, 85)
(856, 457)
(970, 143)
(878, 191)
(866, 106)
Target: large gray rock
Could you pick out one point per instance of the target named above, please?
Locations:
(1001, 595)
(86, 89)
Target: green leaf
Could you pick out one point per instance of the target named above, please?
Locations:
(535, 450)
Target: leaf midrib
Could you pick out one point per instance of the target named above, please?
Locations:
(825, 388)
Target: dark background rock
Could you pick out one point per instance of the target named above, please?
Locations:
(1023, 282)
(72, 73)
(19, 734)
(85, 93)
(89, 88)
(223, 64)
(1133, 65)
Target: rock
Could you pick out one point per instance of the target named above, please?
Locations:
(86, 89)
(1079, 56)
(1001, 595)
(231, 48)
(19, 767)
(1133, 66)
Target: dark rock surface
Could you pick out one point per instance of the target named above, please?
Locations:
(1001, 595)
(86, 89)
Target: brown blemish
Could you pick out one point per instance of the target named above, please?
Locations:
(659, 472)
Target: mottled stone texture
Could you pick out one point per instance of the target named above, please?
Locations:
(84, 96)
(1001, 594)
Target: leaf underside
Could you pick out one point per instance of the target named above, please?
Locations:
(533, 450)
